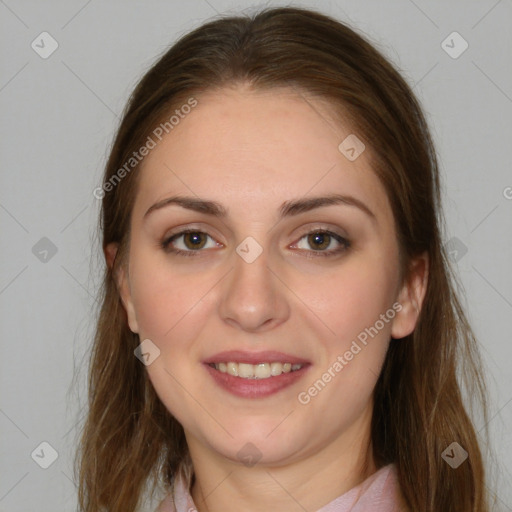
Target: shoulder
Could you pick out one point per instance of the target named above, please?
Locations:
(393, 484)
(178, 499)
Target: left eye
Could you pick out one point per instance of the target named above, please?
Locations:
(322, 241)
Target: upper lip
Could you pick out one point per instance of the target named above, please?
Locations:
(267, 356)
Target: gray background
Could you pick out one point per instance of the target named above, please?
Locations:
(58, 117)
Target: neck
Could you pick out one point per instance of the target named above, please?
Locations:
(308, 483)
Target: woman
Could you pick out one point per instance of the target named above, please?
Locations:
(279, 329)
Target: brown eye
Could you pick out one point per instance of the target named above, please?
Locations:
(319, 241)
(322, 243)
(188, 243)
(194, 240)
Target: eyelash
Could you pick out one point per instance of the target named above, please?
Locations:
(345, 244)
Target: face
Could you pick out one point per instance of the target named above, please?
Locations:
(263, 265)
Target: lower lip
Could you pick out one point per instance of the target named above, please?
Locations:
(255, 388)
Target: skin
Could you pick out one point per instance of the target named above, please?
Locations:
(251, 152)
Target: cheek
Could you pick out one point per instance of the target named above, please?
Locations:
(352, 339)
(160, 299)
(348, 300)
(171, 314)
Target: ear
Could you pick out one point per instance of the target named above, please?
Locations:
(410, 297)
(122, 284)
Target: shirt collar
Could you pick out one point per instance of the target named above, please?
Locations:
(379, 492)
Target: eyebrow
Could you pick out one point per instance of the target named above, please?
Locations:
(287, 209)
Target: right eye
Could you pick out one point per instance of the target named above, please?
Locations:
(188, 242)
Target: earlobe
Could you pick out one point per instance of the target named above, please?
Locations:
(123, 286)
(411, 297)
(110, 253)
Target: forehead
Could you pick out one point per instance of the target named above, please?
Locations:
(251, 148)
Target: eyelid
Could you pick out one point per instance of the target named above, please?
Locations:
(322, 227)
(191, 228)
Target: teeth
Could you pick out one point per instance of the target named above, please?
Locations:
(246, 371)
(262, 371)
(276, 369)
(232, 369)
(256, 371)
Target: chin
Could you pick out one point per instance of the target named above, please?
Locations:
(258, 442)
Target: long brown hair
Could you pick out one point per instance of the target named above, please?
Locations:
(129, 438)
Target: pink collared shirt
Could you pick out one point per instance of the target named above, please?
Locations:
(379, 492)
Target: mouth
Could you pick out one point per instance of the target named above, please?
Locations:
(255, 375)
(256, 371)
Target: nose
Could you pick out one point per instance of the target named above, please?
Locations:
(253, 297)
